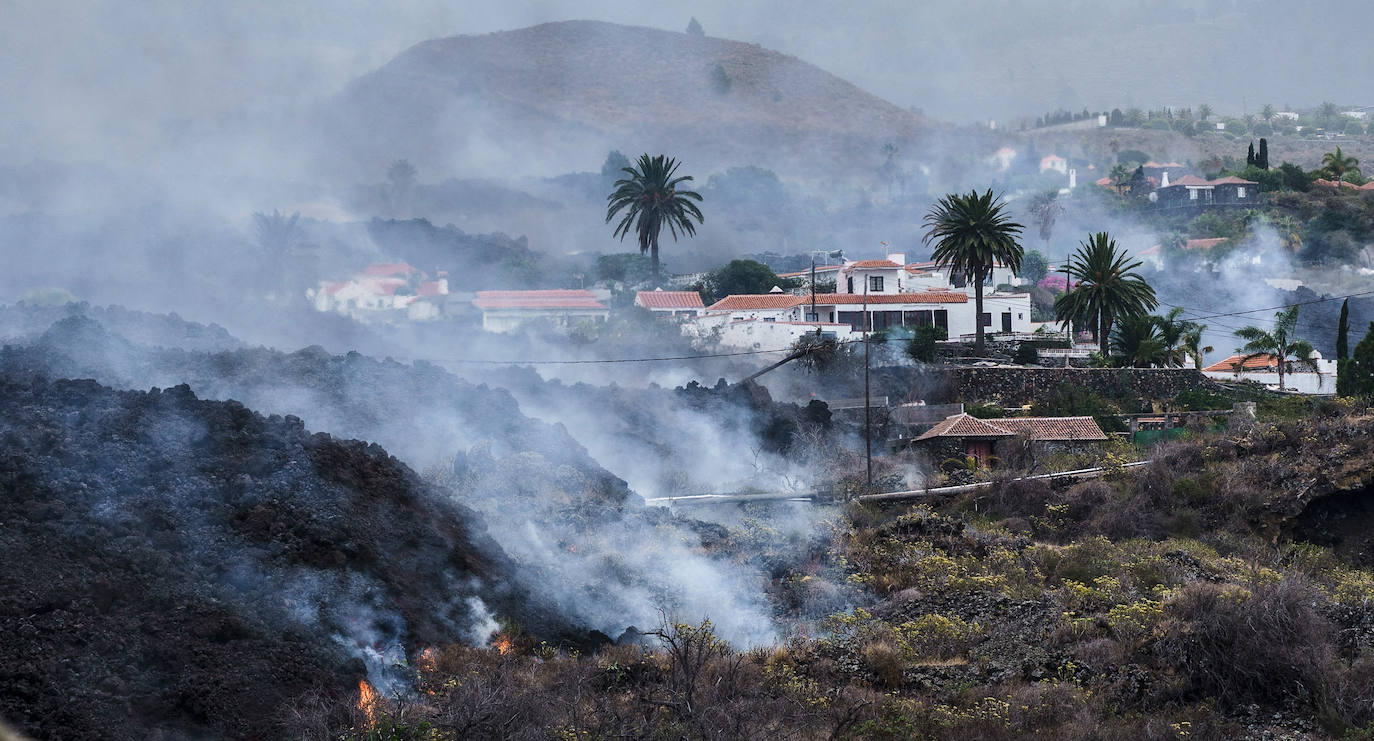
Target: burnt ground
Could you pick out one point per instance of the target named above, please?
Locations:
(183, 568)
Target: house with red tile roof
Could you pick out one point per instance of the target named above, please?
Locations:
(1191, 191)
(1264, 369)
(385, 292)
(506, 311)
(670, 303)
(970, 436)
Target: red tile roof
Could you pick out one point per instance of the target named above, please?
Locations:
(918, 297)
(432, 288)
(557, 299)
(389, 268)
(873, 264)
(741, 302)
(1257, 363)
(1196, 181)
(661, 299)
(1203, 244)
(1036, 428)
(1189, 180)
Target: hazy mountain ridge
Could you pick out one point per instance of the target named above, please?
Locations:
(555, 87)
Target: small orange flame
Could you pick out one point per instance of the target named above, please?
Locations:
(503, 644)
(367, 702)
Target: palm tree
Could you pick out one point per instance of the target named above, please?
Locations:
(1138, 344)
(1204, 112)
(1121, 176)
(1108, 287)
(1267, 113)
(1281, 342)
(1045, 208)
(1173, 333)
(651, 198)
(972, 233)
(1193, 347)
(1338, 165)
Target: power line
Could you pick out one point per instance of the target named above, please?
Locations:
(615, 360)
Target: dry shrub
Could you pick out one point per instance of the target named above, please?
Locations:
(887, 660)
(1350, 694)
(1268, 646)
(1024, 497)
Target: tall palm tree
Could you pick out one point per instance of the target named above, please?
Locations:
(1338, 165)
(1108, 286)
(1204, 112)
(1281, 342)
(972, 233)
(1045, 208)
(651, 198)
(1137, 343)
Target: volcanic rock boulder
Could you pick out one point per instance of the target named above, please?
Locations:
(188, 568)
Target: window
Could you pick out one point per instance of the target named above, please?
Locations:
(849, 284)
(1240, 191)
(942, 319)
(1192, 193)
(875, 284)
(987, 319)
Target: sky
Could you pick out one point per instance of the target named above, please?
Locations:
(105, 79)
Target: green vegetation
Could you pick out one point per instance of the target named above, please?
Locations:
(743, 277)
(651, 199)
(971, 234)
(1109, 288)
(921, 346)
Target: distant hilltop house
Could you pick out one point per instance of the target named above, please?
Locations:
(1191, 191)
(1054, 162)
(506, 311)
(970, 436)
(1265, 369)
(899, 295)
(671, 303)
(385, 292)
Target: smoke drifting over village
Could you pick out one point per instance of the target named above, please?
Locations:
(319, 355)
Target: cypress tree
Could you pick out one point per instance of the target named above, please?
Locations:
(1353, 375)
(1250, 156)
(1343, 332)
(1262, 157)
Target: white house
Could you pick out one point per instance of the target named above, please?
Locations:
(1264, 369)
(875, 276)
(671, 303)
(1003, 158)
(1054, 162)
(950, 310)
(385, 292)
(505, 311)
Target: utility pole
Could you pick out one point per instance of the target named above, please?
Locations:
(1068, 320)
(868, 404)
(815, 317)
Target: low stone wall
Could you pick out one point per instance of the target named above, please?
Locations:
(1025, 385)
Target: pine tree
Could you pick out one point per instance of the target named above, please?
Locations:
(1343, 332)
(1262, 157)
(1250, 156)
(694, 28)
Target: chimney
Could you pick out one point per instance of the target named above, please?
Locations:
(897, 257)
(1164, 180)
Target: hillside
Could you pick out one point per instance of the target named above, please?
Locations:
(191, 569)
(568, 92)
